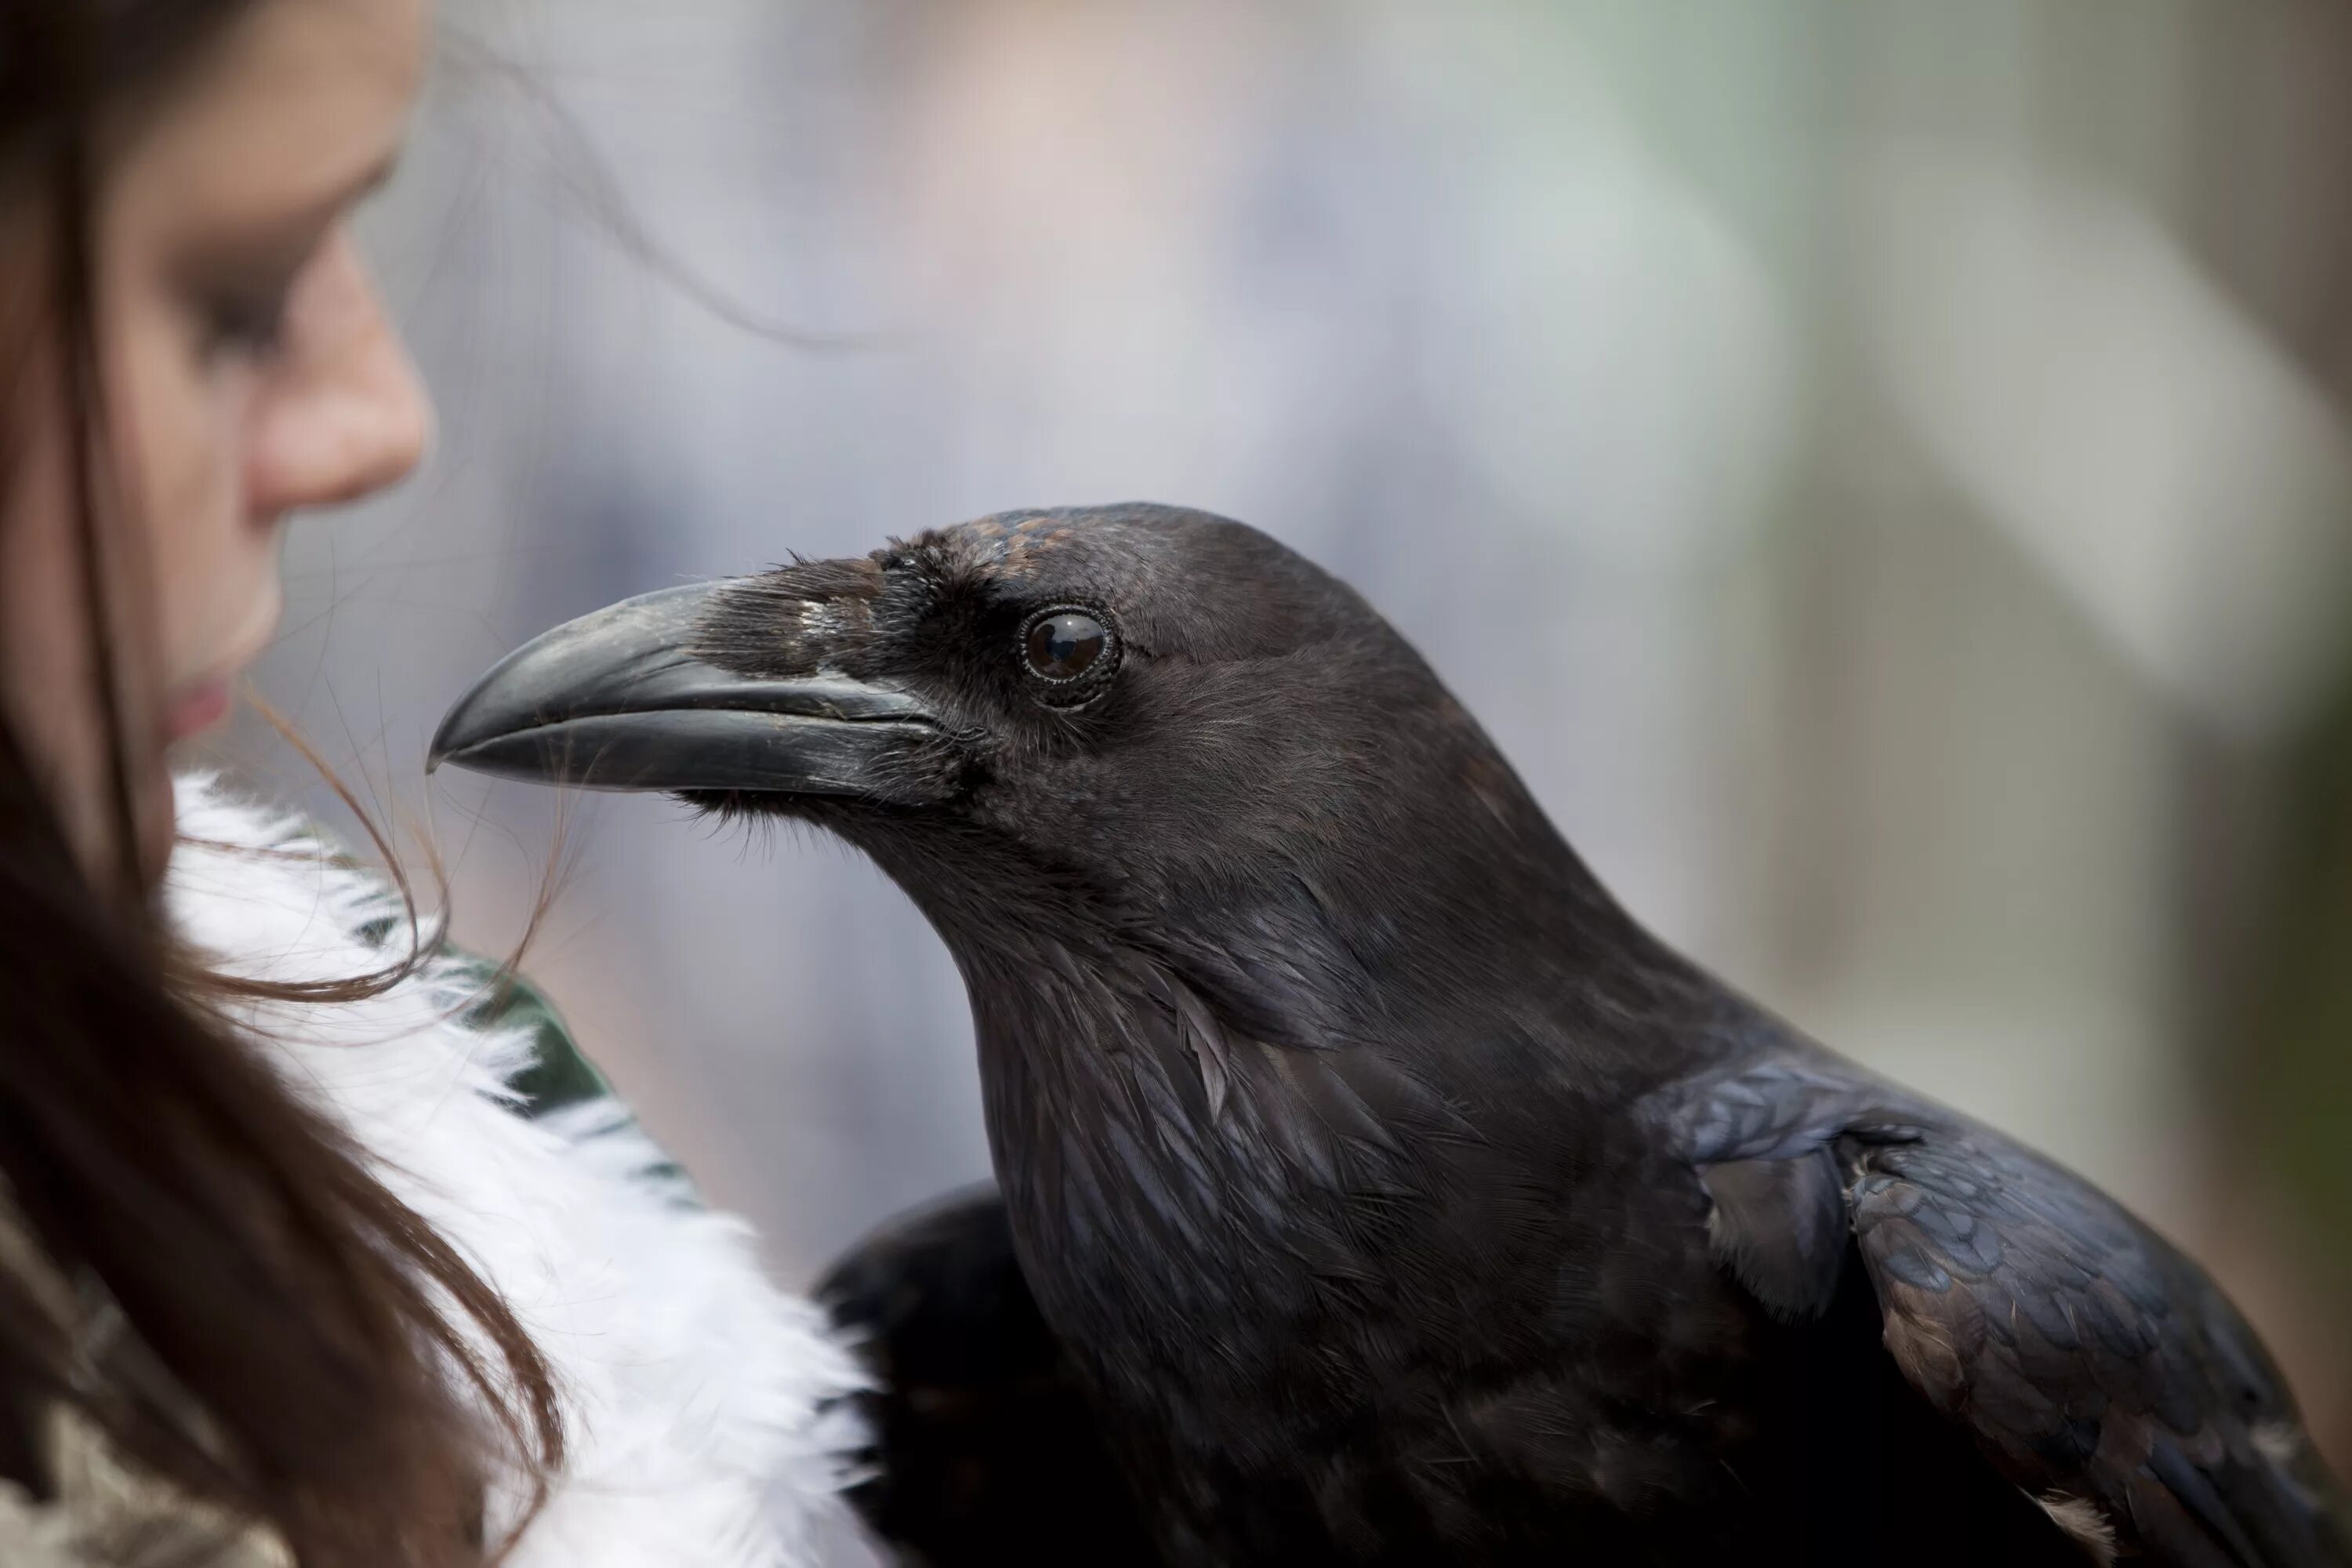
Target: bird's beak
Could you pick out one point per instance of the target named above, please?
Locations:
(617, 700)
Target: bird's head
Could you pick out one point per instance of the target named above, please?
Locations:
(1127, 723)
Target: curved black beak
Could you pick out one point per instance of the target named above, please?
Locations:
(618, 701)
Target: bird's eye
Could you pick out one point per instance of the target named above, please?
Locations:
(1070, 648)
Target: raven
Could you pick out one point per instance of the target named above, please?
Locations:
(1391, 1193)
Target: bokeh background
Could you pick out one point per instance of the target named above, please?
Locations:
(1881, 472)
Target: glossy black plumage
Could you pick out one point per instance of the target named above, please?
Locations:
(985, 1448)
(1394, 1196)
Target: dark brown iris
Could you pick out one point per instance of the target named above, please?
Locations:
(1065, 645)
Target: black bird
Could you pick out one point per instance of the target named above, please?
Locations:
(1392, 1195)
(986, 1447)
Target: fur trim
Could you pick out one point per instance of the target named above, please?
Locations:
(699, 1401)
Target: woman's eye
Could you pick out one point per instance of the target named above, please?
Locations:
(240, 289)
(1070, 648)
(248, 325)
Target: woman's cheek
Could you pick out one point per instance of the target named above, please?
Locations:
(184, 423)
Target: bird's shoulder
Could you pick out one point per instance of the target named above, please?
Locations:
(2095, 1366)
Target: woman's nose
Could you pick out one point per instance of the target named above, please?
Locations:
(341, 413)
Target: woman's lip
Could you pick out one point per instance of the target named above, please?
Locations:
(196, 707)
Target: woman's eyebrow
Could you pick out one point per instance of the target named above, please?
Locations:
(369, 181)
(296, 226)
(378, 176)
(284, 238)
(315, 211)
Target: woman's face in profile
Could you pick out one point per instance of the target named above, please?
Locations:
(249, 371)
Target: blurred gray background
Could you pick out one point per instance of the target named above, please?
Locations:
(1881, 472)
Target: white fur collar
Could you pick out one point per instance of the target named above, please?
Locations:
(694, 1389)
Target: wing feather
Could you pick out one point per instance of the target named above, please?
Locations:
(2095, 1366)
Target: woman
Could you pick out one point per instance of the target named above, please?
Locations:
(293, 1265)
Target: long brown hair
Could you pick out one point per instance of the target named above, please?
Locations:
(301, 1348)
